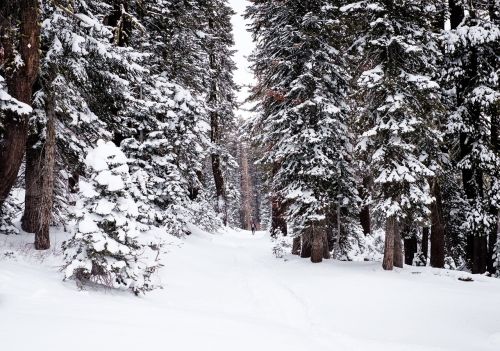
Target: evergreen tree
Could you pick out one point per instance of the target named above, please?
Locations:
(399, 108)
(105, 248)
(302, 87)
(472, 46)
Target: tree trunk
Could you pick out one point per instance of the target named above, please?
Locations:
(364, 215)
(19, 81)
(42, 238)
(306, 245)
(479, 254)
(495, 142)
(317, 245)
(278, 223)
(296, 246)
(425, 243)
(215, 136)
(437, 228)
(390, 231)
(410, 249)
(398, 247)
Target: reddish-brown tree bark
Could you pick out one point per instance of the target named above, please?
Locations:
(19, 79)
(390, 232)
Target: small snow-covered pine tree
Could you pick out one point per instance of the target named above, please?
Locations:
(105, 248)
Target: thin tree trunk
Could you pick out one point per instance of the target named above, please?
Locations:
(398, 247)
(19, 83)
(278, 223)
(437, 228)
(364, 215)
(296, 246)
(42, 239)
(390, 229)
(215, 136)
(425, 243)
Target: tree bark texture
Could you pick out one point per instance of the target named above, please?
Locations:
(305, 252)
(437, 228)
(390, 231)
(425, 243)
(296, 246)
(398, 247)
(40, 163)
(319, 245)
(20, 80)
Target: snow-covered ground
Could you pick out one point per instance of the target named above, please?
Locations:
(227, 291)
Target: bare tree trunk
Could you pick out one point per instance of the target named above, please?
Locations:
(364, 215)
(326, 247)
(296, 246)
(425, 243)
(306, 245)
(398, 247)
(47, 158)
(390, 229)
(278, 222)
(215, 136)
(495, 141)
(410, 249)
(19, 81)
(317, 245)
(437, 228)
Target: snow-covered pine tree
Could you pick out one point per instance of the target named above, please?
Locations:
(172, 139)
(396, 56)
(105, 248)
(221, 101)
(302, 87)
(93, 81)
(472, 58)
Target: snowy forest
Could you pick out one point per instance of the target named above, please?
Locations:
(224, 148)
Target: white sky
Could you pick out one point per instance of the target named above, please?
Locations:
(244, 46)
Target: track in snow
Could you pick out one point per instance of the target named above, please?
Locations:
(227, 292)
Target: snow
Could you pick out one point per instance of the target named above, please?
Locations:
(226, 291)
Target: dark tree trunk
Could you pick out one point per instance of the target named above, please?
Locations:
(437, 228)
(479, 254)
(495, 142)
(296, 246)
(215, 136)
(390, 232)
(278, 222)
(364, 214)
(319, 246)
(40, 191)
(19, 81)
(410, 249)
(365, 219)
(305, 252)
(398, 247)
(425, 243)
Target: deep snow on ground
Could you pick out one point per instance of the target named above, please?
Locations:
(227, 291)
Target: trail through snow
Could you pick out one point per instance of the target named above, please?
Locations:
(226, 291)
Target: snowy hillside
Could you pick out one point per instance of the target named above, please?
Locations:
(226, 291)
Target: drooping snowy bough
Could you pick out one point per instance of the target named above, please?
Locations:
(105, 248)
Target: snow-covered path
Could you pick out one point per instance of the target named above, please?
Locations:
(227, 292)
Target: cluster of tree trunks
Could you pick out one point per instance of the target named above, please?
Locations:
(20, 79)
